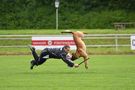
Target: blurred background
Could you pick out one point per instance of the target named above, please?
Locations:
(109, 23)
(73, 14)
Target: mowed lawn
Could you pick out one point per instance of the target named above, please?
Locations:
(106, 72)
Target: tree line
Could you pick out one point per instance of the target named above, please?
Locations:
(40, 14)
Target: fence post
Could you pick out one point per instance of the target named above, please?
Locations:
(116, 43)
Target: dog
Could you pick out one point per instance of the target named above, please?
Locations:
(81, 47)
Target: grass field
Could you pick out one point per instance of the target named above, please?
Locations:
(106, 72)
(57, 32)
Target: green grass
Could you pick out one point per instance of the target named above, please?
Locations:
(106, 72)
(91, 50)
(53, 31)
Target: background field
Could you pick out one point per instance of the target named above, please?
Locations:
(91, 50)
(54, 31)
(106, 72)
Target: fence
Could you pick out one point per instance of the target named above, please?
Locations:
(115, 38)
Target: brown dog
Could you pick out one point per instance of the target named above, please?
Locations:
(81, 47)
